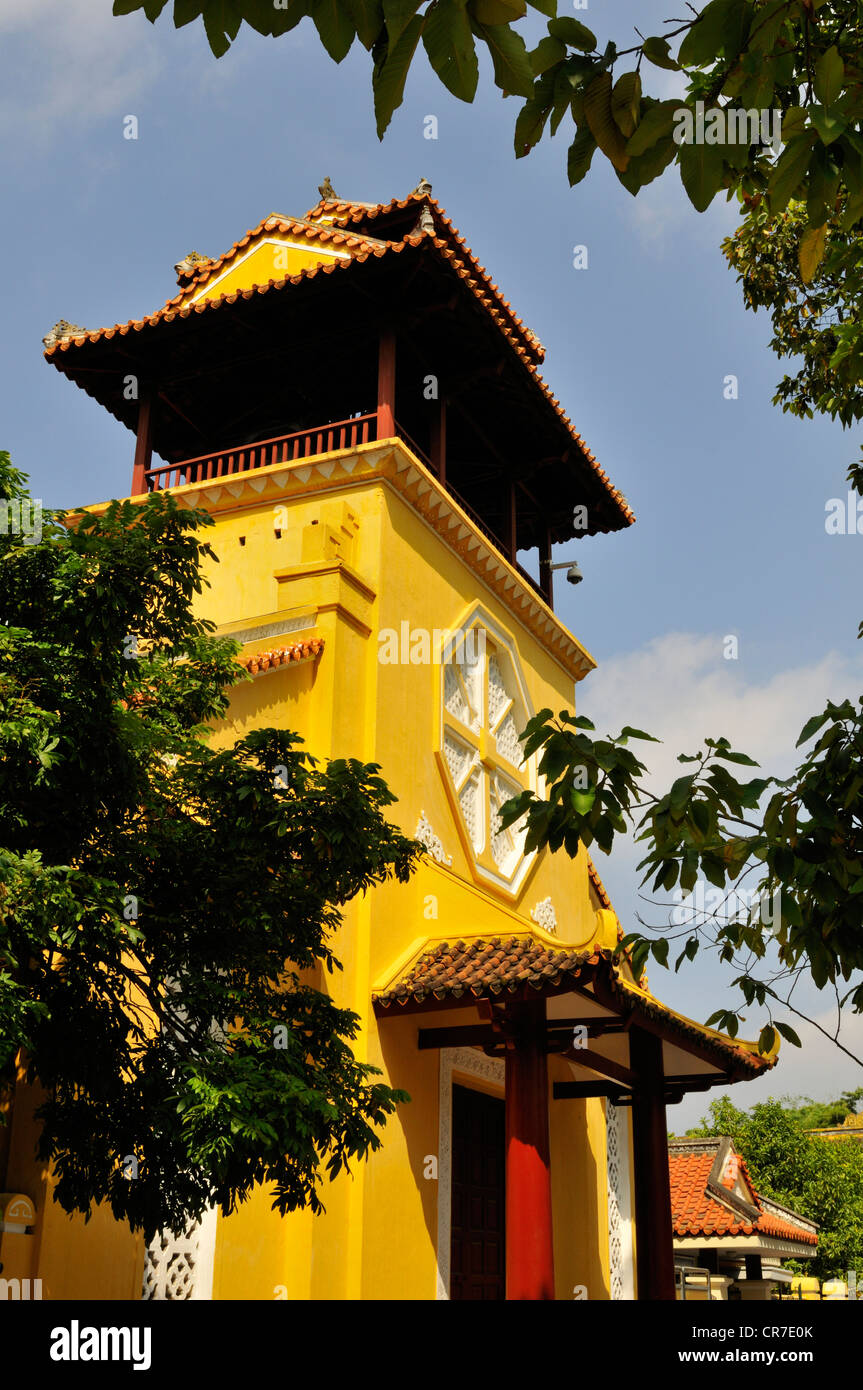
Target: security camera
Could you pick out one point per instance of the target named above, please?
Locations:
(574, 575)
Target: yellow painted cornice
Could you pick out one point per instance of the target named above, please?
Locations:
(393, 464)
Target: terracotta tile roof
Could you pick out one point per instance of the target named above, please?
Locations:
(485, 968)
(488, 968)
(343, 212)
(461, 261)
(696, 1212)
(745, 1054)
(259, 662)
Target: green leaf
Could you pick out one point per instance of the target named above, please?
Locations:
(335, 27)
(701, 816)
(397, 16)
(597, 110)
(829, 124)
(512, 69)
(574, 33)
(645, 167)
(529, 125)
(811, 727)
(497, 12)
(390, 74)
(185, 11)
(660, 951)
(580, 154)
(546, 7)
(582, 801)
(793, 122)
(657, 122)
(790, 171)
(222, 24)
(853, 212)
(715, 1018)
(547, 54)
(448, 42)
(625, 102)
(628, 732)
(829, 76)
(721, 28)
(766, 1038)
(658, 52)
(681, 791)
(368, 19)
(728, 756)
(789, 1034)
(701, 169)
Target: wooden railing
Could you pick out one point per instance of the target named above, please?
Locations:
(288, 448)
(285, 448)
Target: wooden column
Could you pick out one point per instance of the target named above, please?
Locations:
(438, 440)
(529, 1242)
(653, 1230)
(546, 577)
(387, 384)
(143, 442)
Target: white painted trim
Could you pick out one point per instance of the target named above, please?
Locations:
(468, 1062)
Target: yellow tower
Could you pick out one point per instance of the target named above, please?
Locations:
(361, 411)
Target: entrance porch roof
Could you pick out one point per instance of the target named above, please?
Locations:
(584, 990)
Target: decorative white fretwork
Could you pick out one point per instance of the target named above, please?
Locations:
(432, 842)
(488, 1069)
(544, 915)
(619, 1203)
(179, 1265)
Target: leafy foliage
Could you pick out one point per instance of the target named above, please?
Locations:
(819, 319)
(734, 56)
(167, 909)
(803, 846)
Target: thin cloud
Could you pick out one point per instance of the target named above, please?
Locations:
(78, 63)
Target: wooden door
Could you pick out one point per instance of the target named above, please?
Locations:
(478, 1263)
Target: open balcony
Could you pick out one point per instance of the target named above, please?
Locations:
(303, 444)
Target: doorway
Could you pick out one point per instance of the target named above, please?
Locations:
(478, 1239)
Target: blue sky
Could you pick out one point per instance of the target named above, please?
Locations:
(729, 494)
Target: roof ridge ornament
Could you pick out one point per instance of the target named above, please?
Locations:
(188, 266)
(327, 192)
(423, 189)
(425, 222)
(63, 329)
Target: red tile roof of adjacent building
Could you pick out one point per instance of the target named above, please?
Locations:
(695, 1211)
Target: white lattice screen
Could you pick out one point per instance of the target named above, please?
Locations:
(179, 1265)
(619, 1204)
